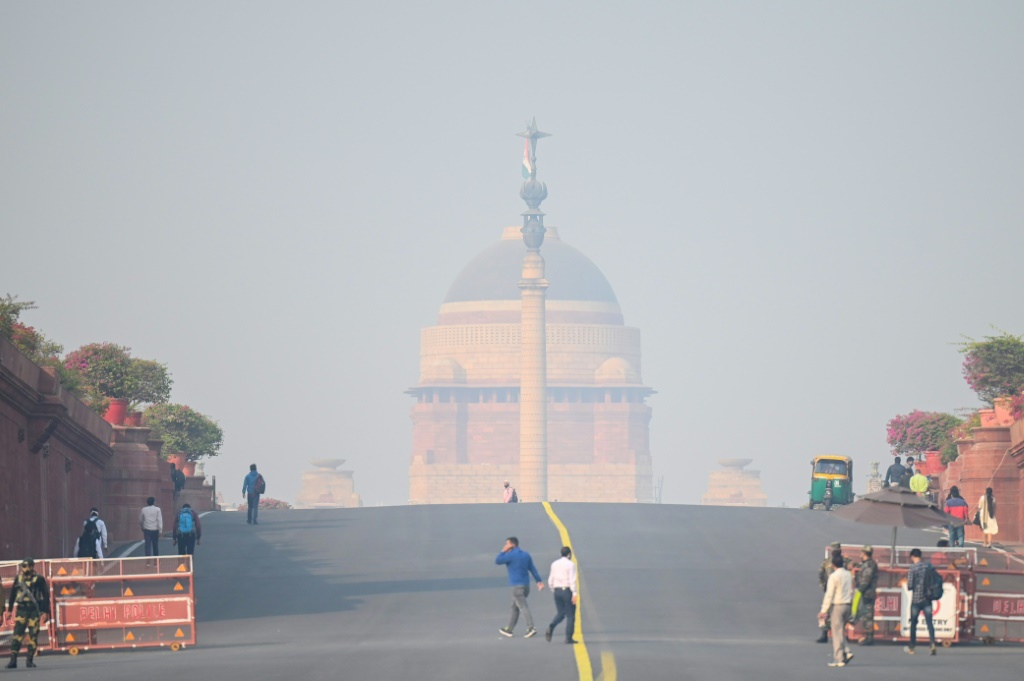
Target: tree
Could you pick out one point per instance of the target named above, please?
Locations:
(10, 312)
(919, 432)
(153, 380)
(110, 371)
(34, 344)
(184, 430)
(994, 367)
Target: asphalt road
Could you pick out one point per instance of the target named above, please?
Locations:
(668, 592)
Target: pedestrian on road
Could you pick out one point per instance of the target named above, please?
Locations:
(252, 487)
(562, 580)
(917, 577)
(31, 596)
(520, 566)
(511, 497)
(93, 540)
(151, 520)
(908, 473)
(824, 572)
(867, 580)
(838, 598)
(178, 478)
(957, 507)
(987, 516)
(894, 473)
(187, 530)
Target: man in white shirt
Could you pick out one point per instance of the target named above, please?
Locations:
(151, 521)
(101, 530)
(562, 580)
(838, 596)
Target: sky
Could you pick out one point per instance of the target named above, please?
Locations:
(803, 206)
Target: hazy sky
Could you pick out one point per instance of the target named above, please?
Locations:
(802, 205)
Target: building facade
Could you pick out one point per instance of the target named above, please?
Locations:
(466, 417)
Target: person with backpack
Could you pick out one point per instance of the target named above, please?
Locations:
(925, 585)
(956, 506)
(187, 530)
(511, 497)
(252, 487)
(178, 478)
(93, 540)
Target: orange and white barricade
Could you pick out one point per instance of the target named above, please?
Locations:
(122, 603)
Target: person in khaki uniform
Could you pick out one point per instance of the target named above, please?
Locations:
(27, 606)
(867, 580)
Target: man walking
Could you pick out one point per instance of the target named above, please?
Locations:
(562, 580)
(917, 577)
(31, 597)
(867, 580)
(520, 566)
(511, 497)
(151, 521)
(187, 530)
(93, 540)
(252, 487)
(838, 597)
(957, 507)
(824, 572)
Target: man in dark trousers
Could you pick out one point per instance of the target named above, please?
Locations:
(31, 596)
(520, 567)
(917, 577)
(251, 493)
(562, 580)
(187, 530)
(908, 473)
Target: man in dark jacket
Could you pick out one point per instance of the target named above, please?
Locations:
(908, 473)
(32, 598)
(894, 473)
(867, 580)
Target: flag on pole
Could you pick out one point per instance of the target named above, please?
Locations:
(527, 168)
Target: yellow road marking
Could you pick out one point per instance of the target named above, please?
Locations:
(582, 656)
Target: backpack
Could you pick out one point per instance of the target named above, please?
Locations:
(186, 525)
(932, 584)
(261, 484)
(87, 542)
(515, 497)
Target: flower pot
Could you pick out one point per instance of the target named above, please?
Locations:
(189, 469)
(116, 412)
(134, 419)
(178, 460)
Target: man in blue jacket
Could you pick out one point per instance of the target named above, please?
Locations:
(251, 493)
(520, 567)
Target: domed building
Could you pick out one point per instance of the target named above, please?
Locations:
(466, 420)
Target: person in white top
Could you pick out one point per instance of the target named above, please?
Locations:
(151, 521)
(101, 529)
(562, 580)
(510, 496)
(838, 596)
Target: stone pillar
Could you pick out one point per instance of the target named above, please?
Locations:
(985, 461)
(133, 474)
(533, 437)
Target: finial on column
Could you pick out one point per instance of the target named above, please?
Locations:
(533, 191)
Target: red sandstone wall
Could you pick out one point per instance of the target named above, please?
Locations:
(45, 495)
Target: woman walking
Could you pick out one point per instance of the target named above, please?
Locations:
(987, 516)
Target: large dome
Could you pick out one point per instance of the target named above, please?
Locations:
(495, 273)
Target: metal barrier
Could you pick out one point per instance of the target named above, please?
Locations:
(122, 603)
(983, 595)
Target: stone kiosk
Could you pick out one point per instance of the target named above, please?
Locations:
(327, 487)
(734, 486)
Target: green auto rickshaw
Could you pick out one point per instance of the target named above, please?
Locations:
(831, 481)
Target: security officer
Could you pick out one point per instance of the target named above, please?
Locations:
(867, 580)
(32, 597)
(823, 574)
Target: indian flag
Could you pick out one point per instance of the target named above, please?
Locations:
(527, 168)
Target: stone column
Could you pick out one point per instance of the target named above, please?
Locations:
(533, 430)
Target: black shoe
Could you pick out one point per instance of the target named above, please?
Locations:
(505, 631)
(29, 662)
(823, 638)
(547, 635)
(530, 633)
(571, 641)
(849, 656)
(13, 664)
(867, 642)
(933, 650)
